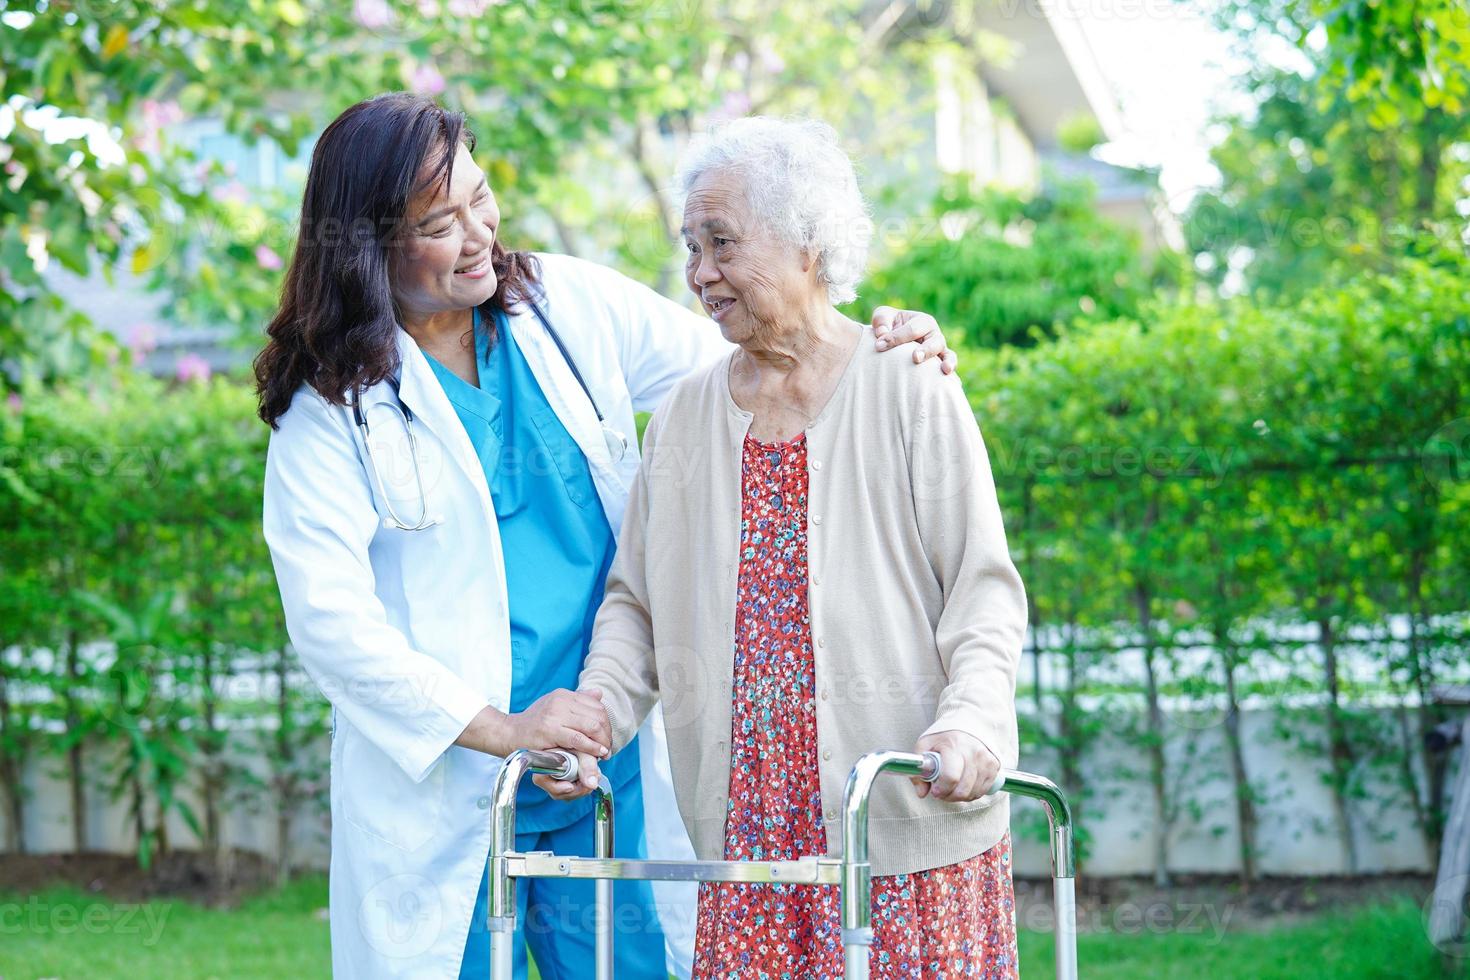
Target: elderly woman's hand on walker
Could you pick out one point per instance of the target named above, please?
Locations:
(967, 769)
(566, 790)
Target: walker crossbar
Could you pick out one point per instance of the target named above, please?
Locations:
(850, 871)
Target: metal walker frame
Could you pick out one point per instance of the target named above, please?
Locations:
(850, 870)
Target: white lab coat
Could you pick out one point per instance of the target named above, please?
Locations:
(407, 632)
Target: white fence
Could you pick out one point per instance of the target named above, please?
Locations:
(1296, 833)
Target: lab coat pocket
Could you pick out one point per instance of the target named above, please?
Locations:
(380, 799)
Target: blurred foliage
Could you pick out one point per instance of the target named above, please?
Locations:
(141, 618)
(996, 266)
(565, 97)
(1353, 150)
(1080, 133)
(1248, 504)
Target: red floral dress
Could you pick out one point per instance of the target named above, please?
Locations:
(949, 922)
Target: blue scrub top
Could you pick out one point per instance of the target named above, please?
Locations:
(555, 537)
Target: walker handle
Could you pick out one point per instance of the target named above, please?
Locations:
(559, 764)
(929, 771)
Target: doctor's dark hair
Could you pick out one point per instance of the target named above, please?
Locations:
(337, 324)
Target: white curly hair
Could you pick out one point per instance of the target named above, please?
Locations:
(799, 184)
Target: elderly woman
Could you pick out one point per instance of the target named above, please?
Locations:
(812, 567)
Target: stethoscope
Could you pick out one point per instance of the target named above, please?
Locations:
(616, 441)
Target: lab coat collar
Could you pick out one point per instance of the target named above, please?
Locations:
(559, 384)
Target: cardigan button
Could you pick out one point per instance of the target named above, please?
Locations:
(483, 803)
(816, 464)
(824, 694)
(822, 641)
(816, 518)
(826, 755)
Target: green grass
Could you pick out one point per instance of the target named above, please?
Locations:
(278, 934)
(1377, 941)
(66, 933)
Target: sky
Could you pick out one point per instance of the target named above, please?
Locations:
(1170, 70)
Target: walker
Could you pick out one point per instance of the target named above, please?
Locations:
(849, 870)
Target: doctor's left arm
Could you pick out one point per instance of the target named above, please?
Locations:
(318, 519)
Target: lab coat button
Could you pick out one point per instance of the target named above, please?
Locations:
(816, 518)
(826, 755)
(483, 803)
(816, 464)
(822, 641)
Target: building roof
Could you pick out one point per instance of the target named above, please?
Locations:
(1052, 75)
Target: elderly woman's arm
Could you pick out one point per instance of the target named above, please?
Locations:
(620, 667)
(983, 623)
(620, 663)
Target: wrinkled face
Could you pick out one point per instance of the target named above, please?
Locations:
(750, 281)
(441, 261)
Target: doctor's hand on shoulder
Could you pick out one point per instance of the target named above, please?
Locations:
(562, 719)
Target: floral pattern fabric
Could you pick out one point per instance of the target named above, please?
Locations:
(942, 924)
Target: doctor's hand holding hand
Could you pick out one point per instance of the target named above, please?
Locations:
(587, 772)
(562, 719)
(967, 768)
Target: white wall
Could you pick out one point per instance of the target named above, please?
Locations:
(1296, 835)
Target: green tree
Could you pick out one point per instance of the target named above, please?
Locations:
(571, 102)
(1347, 156)
(1002, 267)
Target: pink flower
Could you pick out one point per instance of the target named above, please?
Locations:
(428, 8)
(191, 367)
(155, 117)
(372, 14)
(267, 258)
(425, 79)
(162, 114)
(234, 192)
(732, 106)
(12, 401)
(143, 337)
(468, 8)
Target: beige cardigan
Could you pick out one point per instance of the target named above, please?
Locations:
(916, 611)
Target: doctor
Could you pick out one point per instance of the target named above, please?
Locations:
(453, 441)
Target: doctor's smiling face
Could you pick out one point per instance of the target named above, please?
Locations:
(441, 261)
